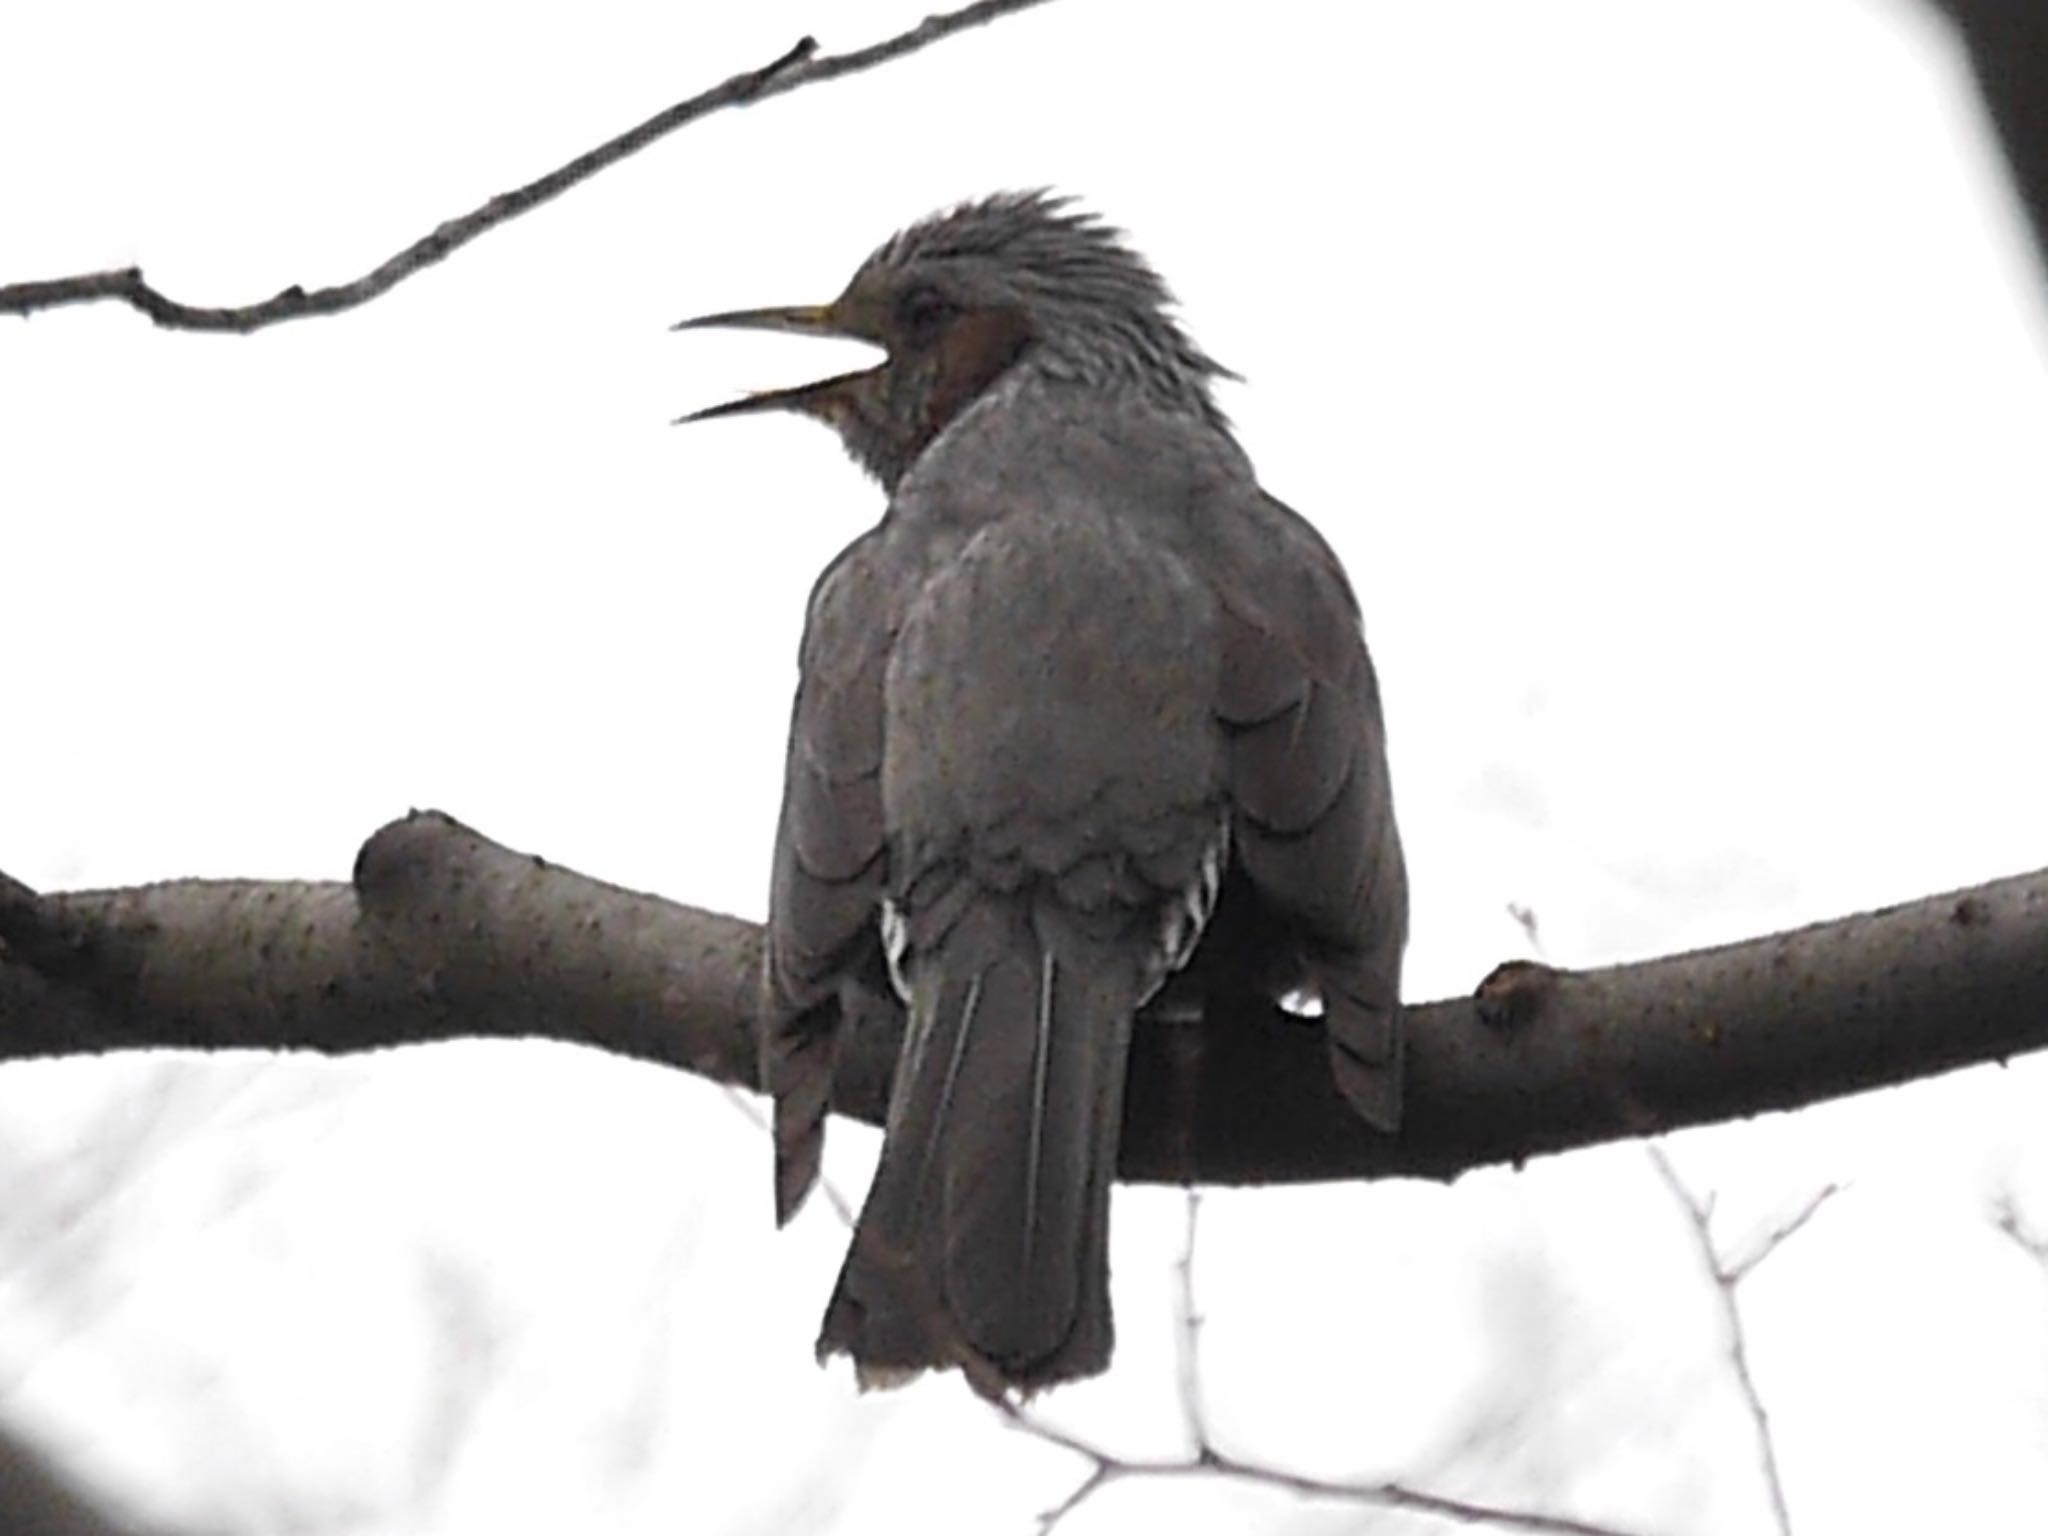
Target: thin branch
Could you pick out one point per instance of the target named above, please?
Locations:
(1775, 1238)
(1726, 1277)
(2007, 1218)
(1188, 1353)
(800, 65)
(1204, 1459)
(1525, 919)
(1100, 1476)
(750, 1109)
(1105, 1469)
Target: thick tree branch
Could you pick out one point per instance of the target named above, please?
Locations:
(801, 65)
(443, 934)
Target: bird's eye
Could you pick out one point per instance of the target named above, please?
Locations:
(923, 311)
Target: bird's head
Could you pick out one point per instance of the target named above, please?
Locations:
(962, 298)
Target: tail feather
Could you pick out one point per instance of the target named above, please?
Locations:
(984, 1240)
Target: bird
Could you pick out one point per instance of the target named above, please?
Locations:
(1086, 738)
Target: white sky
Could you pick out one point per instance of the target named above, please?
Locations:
(1670, 378)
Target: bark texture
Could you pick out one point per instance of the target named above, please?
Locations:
(443, 934)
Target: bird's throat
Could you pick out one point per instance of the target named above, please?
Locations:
(888, 416)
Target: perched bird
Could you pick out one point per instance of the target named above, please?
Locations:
(1085, 724)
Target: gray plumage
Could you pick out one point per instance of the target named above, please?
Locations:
(1086, 717)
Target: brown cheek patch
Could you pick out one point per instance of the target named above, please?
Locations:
(976, 348)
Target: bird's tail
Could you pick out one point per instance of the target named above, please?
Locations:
(984, 1240)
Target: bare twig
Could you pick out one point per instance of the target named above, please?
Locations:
(1193, 1406)
(1726, 1277)
(1204, 1459)
(800, 65)
(2006, 1217)
(1105, 1469)
(1773, 1239)
(750, 1106)
(467, 1365)
(1103, 1473)
(1525, 919)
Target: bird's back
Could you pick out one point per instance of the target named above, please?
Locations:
(1052, 791)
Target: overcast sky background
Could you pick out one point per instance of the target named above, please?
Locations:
(1671, 379)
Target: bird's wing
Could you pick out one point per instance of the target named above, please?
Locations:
(823, 946)
(1312, 810)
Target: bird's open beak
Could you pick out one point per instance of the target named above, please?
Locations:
(796, 319)
(804, 319)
